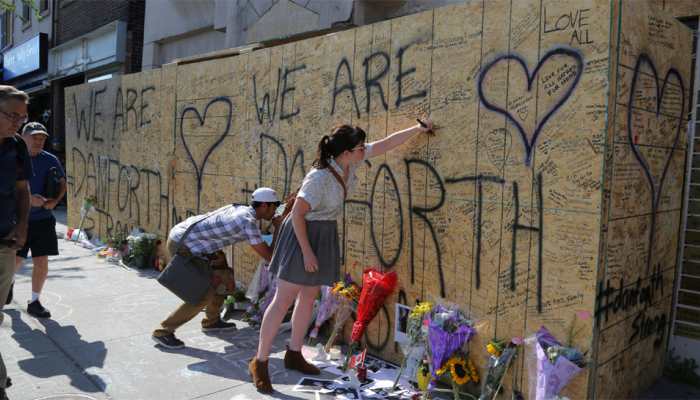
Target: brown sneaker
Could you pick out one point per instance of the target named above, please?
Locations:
(294, 360)
(261, 379)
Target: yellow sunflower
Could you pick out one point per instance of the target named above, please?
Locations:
(459, 370)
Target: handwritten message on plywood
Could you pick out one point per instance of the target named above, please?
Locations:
(532, 203)
(646, 161)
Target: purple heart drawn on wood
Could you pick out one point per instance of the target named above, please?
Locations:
(655, 186)
(530, 143)
(199, 168)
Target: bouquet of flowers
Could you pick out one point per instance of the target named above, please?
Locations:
(448, 331)
(260, 292)
(416, 331)
(376, 287)
(500, 360)
(326, 308)
(346, 294)
(555, 365)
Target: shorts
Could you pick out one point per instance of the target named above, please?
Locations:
(41, 239)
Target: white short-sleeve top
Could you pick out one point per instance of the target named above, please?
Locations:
(324, 193)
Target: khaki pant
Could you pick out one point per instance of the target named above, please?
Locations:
(211, 304)
(7, 272)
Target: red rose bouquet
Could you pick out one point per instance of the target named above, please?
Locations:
(376, 287)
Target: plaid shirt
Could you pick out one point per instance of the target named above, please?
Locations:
(225, 226)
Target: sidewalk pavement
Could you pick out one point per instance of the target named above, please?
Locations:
(98, 345)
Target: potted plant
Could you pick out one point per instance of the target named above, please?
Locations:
(240, 302)
(142, 248)
(117, 241)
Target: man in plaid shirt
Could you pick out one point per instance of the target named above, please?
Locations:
(220, 228)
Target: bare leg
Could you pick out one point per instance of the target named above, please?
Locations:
(40, 271)
(18, 263)
(301, 318)
(284, 297)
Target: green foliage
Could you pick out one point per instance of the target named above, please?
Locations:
(117, 239)
(239, 296)
(9, 5)
(682, 370)
(141, 250)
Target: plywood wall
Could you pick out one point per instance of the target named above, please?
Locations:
(501, 212)
(646, 163)
(680, 8)
(118, 146)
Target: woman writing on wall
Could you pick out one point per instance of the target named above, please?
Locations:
(308, 252)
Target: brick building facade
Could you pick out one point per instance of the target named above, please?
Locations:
(78, 17)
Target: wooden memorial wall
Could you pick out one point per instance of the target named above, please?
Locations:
(553, 186)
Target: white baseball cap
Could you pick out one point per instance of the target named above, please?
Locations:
(34, 128)
(265, 195)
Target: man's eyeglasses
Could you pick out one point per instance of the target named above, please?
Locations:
(14, 117)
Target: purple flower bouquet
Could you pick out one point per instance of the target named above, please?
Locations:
(448, 331)
(555, 366)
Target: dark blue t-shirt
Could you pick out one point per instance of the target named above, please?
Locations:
(41, 164)
(14, 166)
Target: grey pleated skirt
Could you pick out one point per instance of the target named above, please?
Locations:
(288, 260)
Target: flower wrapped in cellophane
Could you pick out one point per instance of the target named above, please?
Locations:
(501, 357)
(326, 308)
(345, 294)
(551, 365)
(448, 330)
(261, 291)
(414, 347)
(376, 288)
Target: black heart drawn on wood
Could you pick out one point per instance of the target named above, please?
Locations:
(530, 142)
(655, 183)
(199, 168)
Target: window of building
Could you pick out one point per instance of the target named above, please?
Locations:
(6, 31)
(26, 14)
(43, 6)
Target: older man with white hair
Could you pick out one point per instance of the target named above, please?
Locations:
(48, 186)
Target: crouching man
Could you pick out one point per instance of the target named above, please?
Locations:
(207, 239)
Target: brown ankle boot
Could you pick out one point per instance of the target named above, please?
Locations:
(261, 379)
(294, 360)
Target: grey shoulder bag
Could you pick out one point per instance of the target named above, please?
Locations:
(188, 277)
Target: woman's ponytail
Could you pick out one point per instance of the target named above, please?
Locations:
(323, 153)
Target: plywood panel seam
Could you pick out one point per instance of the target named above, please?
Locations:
(505, 126)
